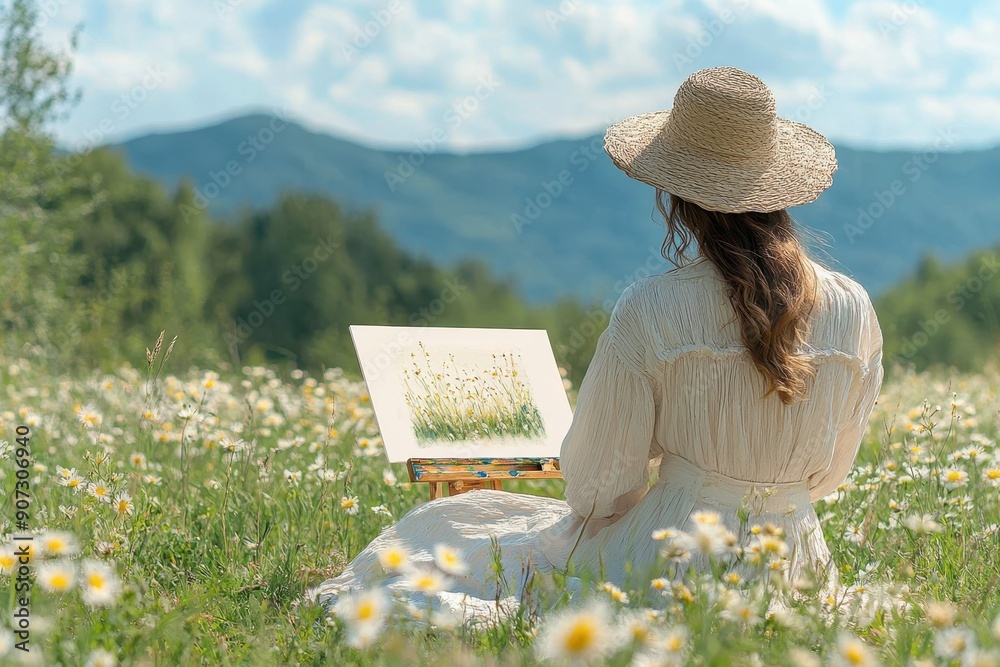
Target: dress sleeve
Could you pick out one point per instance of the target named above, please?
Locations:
(606, 453)
(855, 422)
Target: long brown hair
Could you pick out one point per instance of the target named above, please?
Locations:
(772, 283)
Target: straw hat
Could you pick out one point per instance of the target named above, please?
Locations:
(723, 147)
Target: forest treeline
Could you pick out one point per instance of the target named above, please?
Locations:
(96, 261)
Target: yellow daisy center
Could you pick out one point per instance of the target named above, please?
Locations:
(366, 610)
(580, 637)
(854, 655)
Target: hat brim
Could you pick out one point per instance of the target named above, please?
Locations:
(798, 170)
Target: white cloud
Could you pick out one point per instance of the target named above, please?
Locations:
(891, 76)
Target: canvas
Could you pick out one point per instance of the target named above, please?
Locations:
(463, 393)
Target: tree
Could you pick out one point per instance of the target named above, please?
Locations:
(33, 79)
(37, 269)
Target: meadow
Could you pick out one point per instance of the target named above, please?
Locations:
(178, 516)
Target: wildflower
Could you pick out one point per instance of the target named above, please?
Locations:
(138, 460)
(854, 534)
(578, 636)
(123, 505)
(675, 639)
(73, 480)
(364, 615)
(101, 586)
(349, 504)
(616, 593)
(100, 490)
(992, 475)
(449, 560)
(952, 642)
(89, 417)
(233, 446)
(293, 477)
(58, 543)
(940, 614)
(711, 538)
(678, 547)
(770, 544)
(101, 658)
(389, 477)
(974, 453)
(923, 524)
(954, 478)
(636, 628)
(852, 651)
(705, 518)
(7, 558)
(738, 610)
(800, 657)
(682, 592)
(976, 658)
(426, 581)
(382, 510)
(660, 584)
(152, 479)
(56, 576)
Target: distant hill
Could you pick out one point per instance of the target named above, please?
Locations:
(559, 218)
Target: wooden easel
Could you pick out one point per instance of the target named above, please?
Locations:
(462, 475)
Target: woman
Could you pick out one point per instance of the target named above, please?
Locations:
(746, 376)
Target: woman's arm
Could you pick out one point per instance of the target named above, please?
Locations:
(855, 422)
(605, 455)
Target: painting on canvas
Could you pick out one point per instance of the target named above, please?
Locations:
(463, 393)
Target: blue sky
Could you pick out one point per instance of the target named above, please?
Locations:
(498, 73)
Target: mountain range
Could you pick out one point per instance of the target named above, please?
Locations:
(558, 219)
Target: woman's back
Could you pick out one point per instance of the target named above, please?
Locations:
(710, 410)
(673, 350)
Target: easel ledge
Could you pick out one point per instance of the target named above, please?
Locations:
(462, 475)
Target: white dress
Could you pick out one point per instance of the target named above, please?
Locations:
(670, 387)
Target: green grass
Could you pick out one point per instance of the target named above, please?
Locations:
(453, 403)
(234, 519)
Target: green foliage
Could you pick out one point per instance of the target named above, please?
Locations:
(33, 90)
(944, 314)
